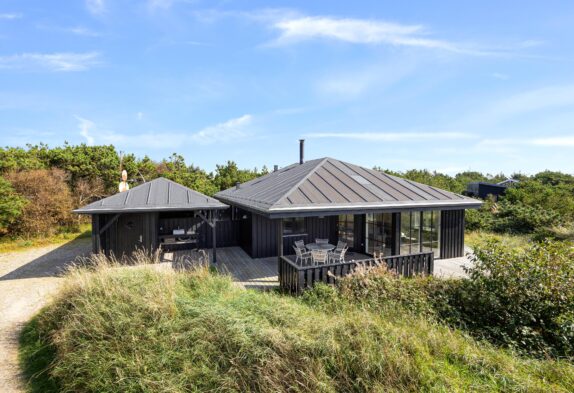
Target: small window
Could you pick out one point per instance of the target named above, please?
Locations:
(293, 226)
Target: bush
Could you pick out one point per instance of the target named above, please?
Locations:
(11, 204)
(49, 202)
(144, 329)
(522, 298)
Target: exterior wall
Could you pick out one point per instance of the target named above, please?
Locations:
(452, 234)
(124, 235)
(264, 234)
(257, 235)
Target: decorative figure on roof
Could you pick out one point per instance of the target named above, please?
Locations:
(124, 186)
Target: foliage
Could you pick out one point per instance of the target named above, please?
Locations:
(226, 176)
(49, 202)
(523, 297)
(146, 329)
(519, 297)
(11, 204)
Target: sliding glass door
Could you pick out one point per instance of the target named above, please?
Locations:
(379, 233)
(346, 229)
(420, 231)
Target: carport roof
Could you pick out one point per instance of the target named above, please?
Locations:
(160, 194)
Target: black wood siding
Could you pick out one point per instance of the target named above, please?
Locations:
(264, 235)
(452, 234)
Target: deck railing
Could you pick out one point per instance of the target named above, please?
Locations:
(295, 279)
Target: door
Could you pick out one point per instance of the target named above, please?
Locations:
(130, 232)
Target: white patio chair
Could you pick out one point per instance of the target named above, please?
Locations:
(341, 245)
(319, 256)
(300, 244)
(337, 256)
(302, 256)
(322, 241)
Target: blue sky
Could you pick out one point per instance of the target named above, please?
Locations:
(447, 86)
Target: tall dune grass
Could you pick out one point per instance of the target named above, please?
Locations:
(142, 328)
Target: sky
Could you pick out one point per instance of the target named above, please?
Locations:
(444, 85)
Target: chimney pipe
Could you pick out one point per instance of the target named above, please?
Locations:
(237, 185)
(301, 151)
(275, 168)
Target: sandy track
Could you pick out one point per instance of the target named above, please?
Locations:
(27, 280)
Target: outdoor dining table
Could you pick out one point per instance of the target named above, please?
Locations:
(319, 246)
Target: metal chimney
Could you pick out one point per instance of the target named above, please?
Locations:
(237, 185)
(301, 151)
(275, 168)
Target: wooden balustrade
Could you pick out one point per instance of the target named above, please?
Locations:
(295, 279)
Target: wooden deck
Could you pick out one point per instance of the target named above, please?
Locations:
(260, 273)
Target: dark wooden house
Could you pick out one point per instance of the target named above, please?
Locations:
(327, 198)
(157, 213)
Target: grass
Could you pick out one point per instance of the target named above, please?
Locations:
(11, 244)
(475, 238)
(142, 329)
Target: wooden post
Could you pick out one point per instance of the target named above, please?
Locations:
(279, 240)
(214, 233)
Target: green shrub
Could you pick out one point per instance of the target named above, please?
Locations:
(523, 298)
(144, 329)
(11, 204)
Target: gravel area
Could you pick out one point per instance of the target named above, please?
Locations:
(27, 280)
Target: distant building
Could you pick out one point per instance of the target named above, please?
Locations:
(483, 189)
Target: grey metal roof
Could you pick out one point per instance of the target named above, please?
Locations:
(160, 194)
(328, 185)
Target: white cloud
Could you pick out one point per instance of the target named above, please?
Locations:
(139, 115)
(64, 61)
(85, 126)
(537, 99)
(393, 136)
(554, 141)
(227, 131)
(96, 7)
(295, 29)
(83, 31)
(10, 16)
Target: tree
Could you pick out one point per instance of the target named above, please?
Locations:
(11, 204)
(227, 175)
(49, 202)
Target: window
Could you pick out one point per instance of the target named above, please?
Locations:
(293, 226)
(379, 233)
(420, 232)
(346, 229)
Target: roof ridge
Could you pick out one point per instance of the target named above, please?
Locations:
(319, 163)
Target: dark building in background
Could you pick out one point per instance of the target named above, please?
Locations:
(483, 190)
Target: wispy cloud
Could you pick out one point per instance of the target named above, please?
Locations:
(96, 7)
(10, 16)
(364, 31)
(229, 130)
(83, 31)
(62, 62)
(393, 136)
(86, 126)
(512, 143)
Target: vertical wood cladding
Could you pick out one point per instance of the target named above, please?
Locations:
(452, 234)
(264, 235)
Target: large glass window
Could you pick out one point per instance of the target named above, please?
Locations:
(346, 229)
(420, 231)
(379, 233)
(293, 226)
